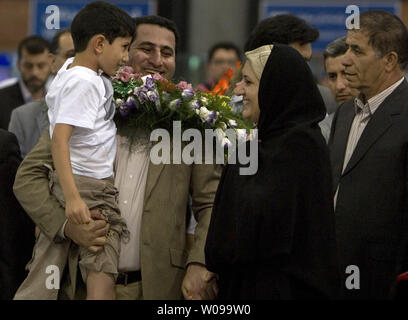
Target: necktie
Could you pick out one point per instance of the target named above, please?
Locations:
(109, 104)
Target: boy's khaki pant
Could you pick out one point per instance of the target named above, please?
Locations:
(50, 258)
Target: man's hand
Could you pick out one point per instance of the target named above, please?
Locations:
(91, 235)
(199, 283)
(77, 211)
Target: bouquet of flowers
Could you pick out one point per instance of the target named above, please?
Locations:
(146, 103)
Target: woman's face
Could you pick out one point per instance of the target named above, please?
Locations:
(248, 88)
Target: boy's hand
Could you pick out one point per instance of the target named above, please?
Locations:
(77, 211)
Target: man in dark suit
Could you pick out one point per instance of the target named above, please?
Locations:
(369, 149)
(34, 65)
(16, 228)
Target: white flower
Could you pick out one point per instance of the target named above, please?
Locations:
(119, 102)
(226, 143)
(241, 135)
(232, 123)
(204, 113)
(220, 134)
(204, 101)
(223, 126)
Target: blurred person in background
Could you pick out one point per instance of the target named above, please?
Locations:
(336, 79)
(295, 32)
(28, 121)
(34, 65)
(221, 57)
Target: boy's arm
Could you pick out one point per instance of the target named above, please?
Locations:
(75, 208)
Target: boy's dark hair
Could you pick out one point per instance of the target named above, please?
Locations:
(33, 45)
(161, 22)
(282, 28)
(54, 46)
(335, 48)
(225, 46)
(386, 33)
(100, 18)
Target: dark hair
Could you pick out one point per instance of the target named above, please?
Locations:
(335, 48)
(55, 42)
(100, 18)
(33, 45)
(226, 46)
(282, 28)
(161, 22)
(386, 32)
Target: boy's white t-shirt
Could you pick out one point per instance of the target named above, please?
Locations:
(77, 97)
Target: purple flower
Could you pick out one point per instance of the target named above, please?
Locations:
(130, 103)
(211, 117)
(141, 95)
(195, 104)
(150, 84)
(152, 96)
(175, 104)
(187, 94)
(124, 110)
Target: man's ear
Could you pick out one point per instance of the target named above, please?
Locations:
(98, 43)
(390, 61)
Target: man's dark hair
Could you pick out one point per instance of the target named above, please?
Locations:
(100, 18)
(386, 33)
(161, 22)
(33, 45)
(335, 48)
(225, 46)
(55, 42)
(282, 28)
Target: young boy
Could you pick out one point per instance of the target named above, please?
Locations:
(83, 143)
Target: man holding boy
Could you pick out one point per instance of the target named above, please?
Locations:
(155, 263)
(83, 145)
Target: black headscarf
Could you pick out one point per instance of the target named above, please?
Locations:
(288, 95)
(272, 233)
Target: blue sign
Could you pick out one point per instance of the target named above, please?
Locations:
(68, 10)
(328, 18)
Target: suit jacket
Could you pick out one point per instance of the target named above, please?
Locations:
(28, 122)
(16, 228)
(371, 210)
(10, 98)
(163, 252)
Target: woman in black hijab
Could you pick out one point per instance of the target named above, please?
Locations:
(272, 234)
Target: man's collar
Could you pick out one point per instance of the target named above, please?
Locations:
(374, 102)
